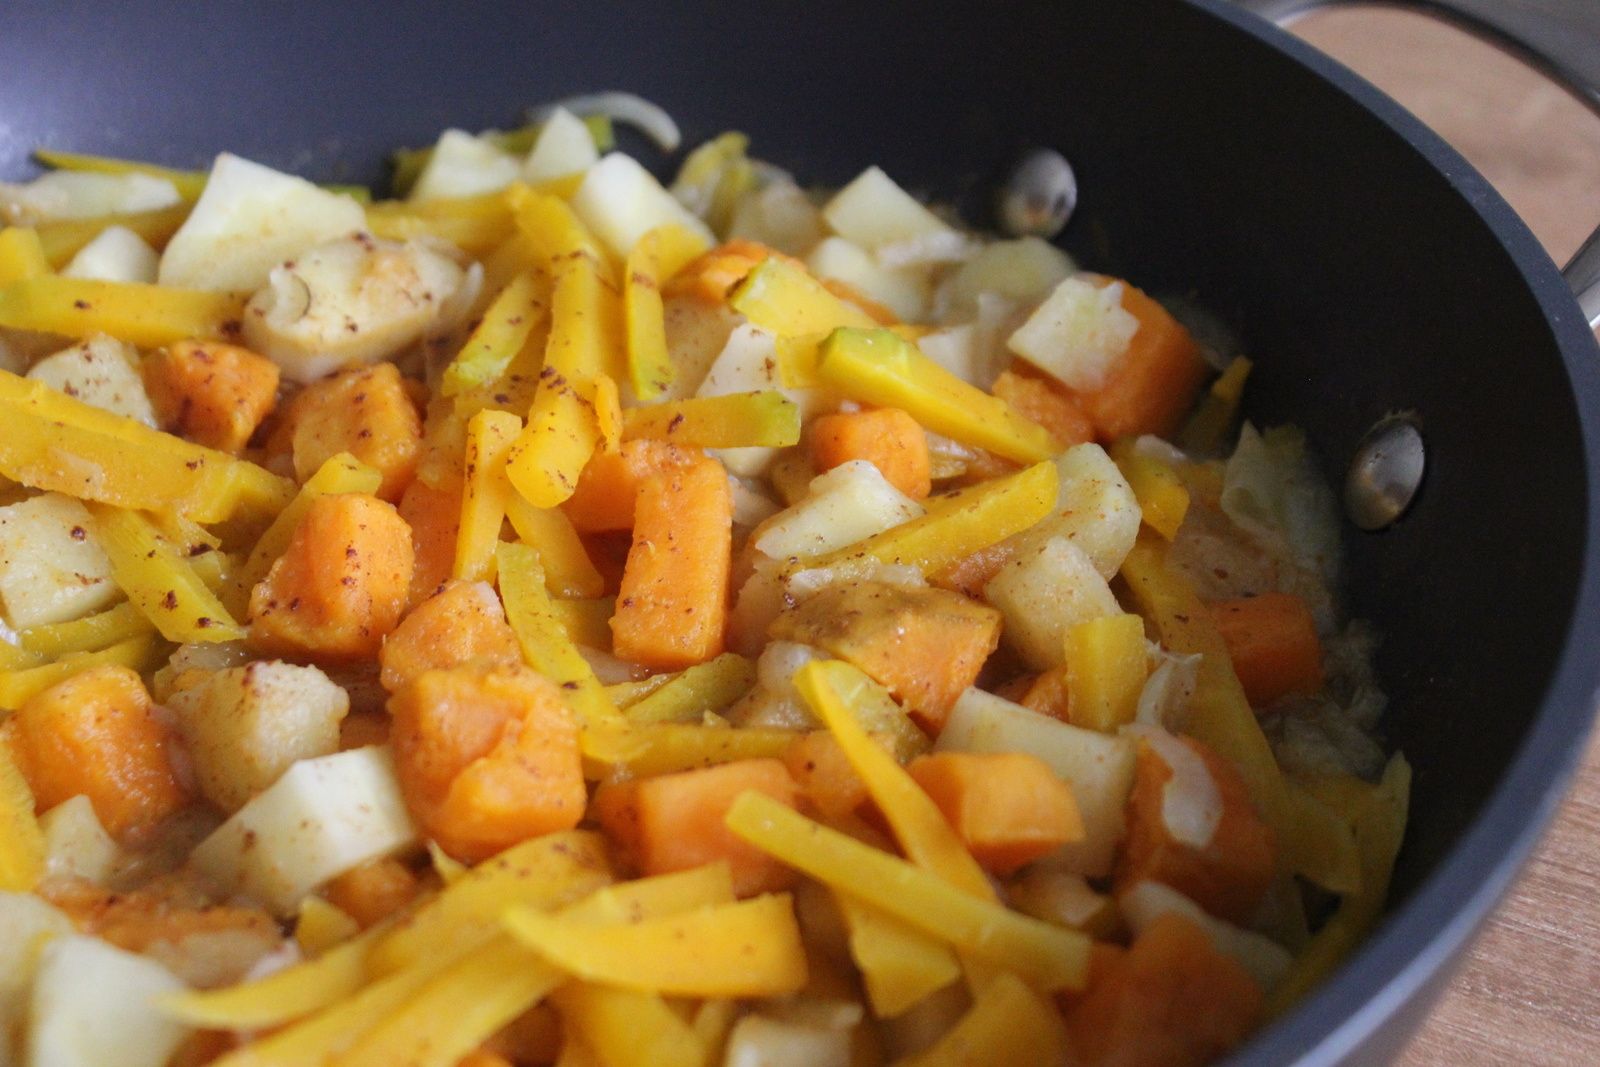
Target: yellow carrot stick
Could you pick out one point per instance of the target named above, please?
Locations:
(21, 841)
(663, 748)
(498, 337)
(659, 255)
(587, 621)
(736, 420)
(1163, 498)
(485, 493)
(16, 686)
(899, 965)
(65, 238)
(568, 571)
(143, 315)
(628, 1028)
(159, 581)
(189, 183)
(709, 686)
(1007, 1023)
(782, 298)
(21, 255)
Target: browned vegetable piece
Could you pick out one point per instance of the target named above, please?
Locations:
(367, 412)
(461, 623)
(212, 393)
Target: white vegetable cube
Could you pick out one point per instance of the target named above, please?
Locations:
(75, 844)
(116, 255)
(323, 817)
(1078, 334)
(250, 219)
(94, 1005)
(1043, 593)
(619, 201)
(51, 566)
(904, 291)
(66, 194)
(851, 502)
(1096, 510)
(1023, 271)
(245, 726)
(101, 371)
(350, 301)
(1098, 767)
(564, 146)
(873, 211)
(464, 165)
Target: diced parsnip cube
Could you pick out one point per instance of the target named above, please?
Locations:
(1078, 334)
(904, 291)
(1095, 510)
(64, 194)
(27, 924)
(250, 219)
(349, 301)
(464, 165)
(1042, 593)
(1146, 902)
(760, 1041)
(75, 844)
(245, 726)
(697, 332)
(117, 255)
(1098, 767)
(323, 817)
(1023, 271)
(747, 364)
(619, 201)
(779, 215)
(844, 505)
(873, 211)
(101, 371)
(564, 146)
(94, 1005)
(51, 566)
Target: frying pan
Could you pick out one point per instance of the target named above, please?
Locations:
(1367, 268)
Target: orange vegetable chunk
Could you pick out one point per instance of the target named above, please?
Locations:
(97, 734)
(888, 438)
(1008, 808)
(1048, 694)
(434, 515)
(1047, 402)
(1230, 876)
(487, 756)
(341, 585)
(373, 891)
(1152, 387)
(608, 488)
(708, 277)
(672, 609)
(824, 774)
(213, 394)
(674, 822)
(365, 411)
(461, 623)
(1171, 1000)
(1272, 641)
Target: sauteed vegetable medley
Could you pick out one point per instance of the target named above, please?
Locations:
(553, 617)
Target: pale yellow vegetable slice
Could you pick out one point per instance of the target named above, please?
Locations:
(1050, 957)
(751, 948)
(159, 581)
(485, 493)
(899, 964)
(779, 296)
(655, 897)
(320, 926)
(663, 748)
(709, 686)
(659, 255)
(342, 473)
(627, 1028)
(144, 315)
(21, 255)
(16, 686)
(21, 840)
(1325, 850)
(65, 238)
(735, 420)
(1007, 1023)
(498, 337)
(588, 622)
(568, 571)
(1106, 670)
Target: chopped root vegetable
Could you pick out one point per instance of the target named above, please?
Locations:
(462, 623)
(609, 486)
(1172, 1000)
(367, 412)
(373, 891)
(1153, 384)
(97, 734)
(824, 775)
(1229, 872)
(1045, 402)
(672, 608)
(1009, 808)
(674, 822)
(214, 394)
(341, 585)
(1272, 641)
(22, 843)
(888, 438)
(487, 757)
(434, 516)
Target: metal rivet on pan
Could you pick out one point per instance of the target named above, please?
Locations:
(1385, 474)
(1039, 196)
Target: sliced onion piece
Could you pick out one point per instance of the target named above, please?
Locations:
(1191, 803)
(632, 109)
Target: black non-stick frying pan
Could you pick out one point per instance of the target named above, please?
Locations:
(1368, 269)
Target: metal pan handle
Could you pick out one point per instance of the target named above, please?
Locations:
(1561, 37)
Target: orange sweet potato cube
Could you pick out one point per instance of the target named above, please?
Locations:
(462, 623)
(1045, 402)
(1009, 808)
(213, 394)
(824, 774)
(888, 438)
(1272, 641)
(434, 515)
(365, 411)
(374, 890)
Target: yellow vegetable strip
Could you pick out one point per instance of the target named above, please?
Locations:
(1106, 669)
(545, 872)
(737, 420)
(879, 367)
(320, 926)
(626, 694)
(189, 183)
(474, 235)
(899, 965)
(781, 297)
(457, 1010)
(709, 686)
(1007, 1023)
(958, 524)
(1379, 822)
(568, 571)
(1163, 498)
(63, 239)
(342, 473)
(16, 686)
(160, 582)
(1219, 713)
(21, 841)
(587, 621)
(662, 748)
(1325, 850)
(141, 314)
(751, 948)
(281, 997)
(21, 255)
(659, 255)
(16, 658)
(544, 640)
(655, 897)
(1049, 956)
(449, 869)
(1207, 430)
(485, 492)
(498, 337)
(627, 1028)
(798, 357)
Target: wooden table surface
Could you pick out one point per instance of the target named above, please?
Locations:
(1530, 992)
